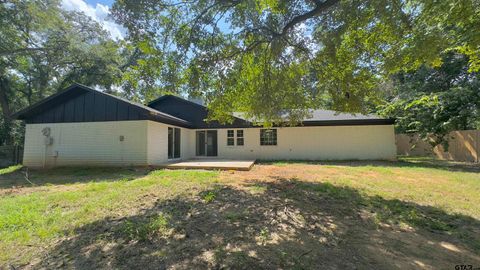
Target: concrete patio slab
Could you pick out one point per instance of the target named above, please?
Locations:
(212, 164)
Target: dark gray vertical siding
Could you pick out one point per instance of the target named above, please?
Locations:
(133, 113)
(89, 114)
(69, 111)
(49, 116)
(122, 111)
(100, 101)
(79, 108)
(111, 110)
(59, 112)
(89, 107)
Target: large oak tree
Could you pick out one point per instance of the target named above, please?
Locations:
(270, 58)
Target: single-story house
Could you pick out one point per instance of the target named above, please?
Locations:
(83, 126)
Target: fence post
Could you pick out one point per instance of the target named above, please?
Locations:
(477, 139)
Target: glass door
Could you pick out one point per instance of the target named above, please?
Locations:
(173, 143)
(206, 143)
(212, 143)
(201, 143)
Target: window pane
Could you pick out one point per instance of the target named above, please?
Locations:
(176, 148)
(239, 133)
(201, 143)
(170, 142)
(230, 141)
(268, 137)
(239, 141)
(230, 133)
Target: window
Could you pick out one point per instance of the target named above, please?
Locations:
(231, 137)
(268, 137)
(173, 143)
(240, 141)
(240, 137)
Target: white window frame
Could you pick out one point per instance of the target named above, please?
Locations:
(235, 137)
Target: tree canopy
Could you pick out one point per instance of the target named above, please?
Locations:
(269, 58)
(417, 60)
(434, 101)
(44, 49)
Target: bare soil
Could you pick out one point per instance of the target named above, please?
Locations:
(275, 217)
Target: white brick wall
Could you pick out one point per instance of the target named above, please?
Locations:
(145, 143)
(314, 143)
(87, 143)
(158, 143)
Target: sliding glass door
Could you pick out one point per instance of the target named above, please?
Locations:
(173, 143)
(201, 150)
(206, 143)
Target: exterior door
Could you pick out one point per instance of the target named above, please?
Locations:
(201, 143)
(212, 143)
(173, 143)
(206, 141)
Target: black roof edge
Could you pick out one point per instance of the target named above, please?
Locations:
(351, 122)
(176, 97)
(167, 119)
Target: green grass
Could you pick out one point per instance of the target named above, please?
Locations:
(141, 230)
(450, 186)
(209, 196)
(54, 211)
(418, 193)
(453, 191)
(10, 169)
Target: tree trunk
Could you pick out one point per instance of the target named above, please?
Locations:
(6, 131)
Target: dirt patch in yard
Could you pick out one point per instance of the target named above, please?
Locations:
(274, 217)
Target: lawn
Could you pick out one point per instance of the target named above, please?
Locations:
(411, 214)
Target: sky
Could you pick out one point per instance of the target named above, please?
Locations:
(99, 11)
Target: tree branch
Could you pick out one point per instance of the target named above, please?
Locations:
(319, 8)
(15, 51)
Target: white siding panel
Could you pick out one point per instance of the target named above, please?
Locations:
(315, 143)
(87, 143)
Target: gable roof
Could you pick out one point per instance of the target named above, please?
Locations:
(76, 90)
(79, 103)
(192, 112)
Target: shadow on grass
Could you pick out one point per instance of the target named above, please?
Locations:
(401, 163)
(284, 224)
(23, 177)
